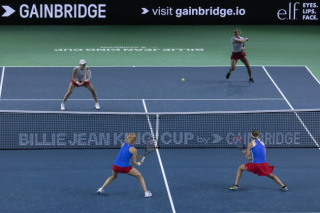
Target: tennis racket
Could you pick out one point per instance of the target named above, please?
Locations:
(88, 76)
(151, 145)
(238, 142)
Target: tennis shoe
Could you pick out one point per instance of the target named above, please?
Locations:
(234, 187)
(100, 191)
(147, 194)
(97, 106)
(251, 80)
(284, 188)
(62, 107)
(228, 75)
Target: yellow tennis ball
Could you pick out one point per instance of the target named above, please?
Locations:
(182, 79)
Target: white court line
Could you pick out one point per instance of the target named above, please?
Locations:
(160, 161)
(312, 74)
(302, 123)
(237, 99)
(1, 83)
(175, 66)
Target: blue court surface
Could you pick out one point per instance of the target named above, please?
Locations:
(181, 180)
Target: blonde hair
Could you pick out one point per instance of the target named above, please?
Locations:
(131, 138)
(238, 30)
(255, 134)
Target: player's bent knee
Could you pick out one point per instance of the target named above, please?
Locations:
(271, 176)
(242, 167)
(138, 176)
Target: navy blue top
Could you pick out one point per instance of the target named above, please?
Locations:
(259, 153)
(124, 156)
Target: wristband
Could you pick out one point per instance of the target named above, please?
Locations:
(139, 163)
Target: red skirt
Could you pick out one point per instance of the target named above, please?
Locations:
(261, 169)
(84, 84)
(120, 169)
(237, 56)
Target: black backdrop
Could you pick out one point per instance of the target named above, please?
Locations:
(200, 12)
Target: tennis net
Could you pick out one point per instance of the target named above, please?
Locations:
(47, 130)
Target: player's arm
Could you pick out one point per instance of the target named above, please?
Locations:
(134, 152)
(248, 151)
(241, 40)
(74, 74)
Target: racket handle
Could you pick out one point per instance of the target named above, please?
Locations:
(143, 158)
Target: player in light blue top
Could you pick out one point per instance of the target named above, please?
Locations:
(259, 165)
(121, 164)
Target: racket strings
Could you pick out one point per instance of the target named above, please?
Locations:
(151, 146)
(237, 141)
(238, 144)
(87, 75)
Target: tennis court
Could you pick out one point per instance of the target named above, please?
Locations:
(181, 180)
(55, 161)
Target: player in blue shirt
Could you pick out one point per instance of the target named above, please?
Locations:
(259, 165)
(121, 164)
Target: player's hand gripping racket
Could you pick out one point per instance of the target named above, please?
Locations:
(238, 142)
(87, 77)
(151, 145)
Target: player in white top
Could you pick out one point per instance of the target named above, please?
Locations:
(78, 80)
(238, 53)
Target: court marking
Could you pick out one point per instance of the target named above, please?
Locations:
(134, 66)
(155, 99)
(312, 74)
(1, 83)
(160, 161)
(300, 120)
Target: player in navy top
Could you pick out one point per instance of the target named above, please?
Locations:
(238, 53)
(121, 164)
(259, 165)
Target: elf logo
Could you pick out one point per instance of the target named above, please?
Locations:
(290, 13)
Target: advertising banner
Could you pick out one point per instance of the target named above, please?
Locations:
(151, 12)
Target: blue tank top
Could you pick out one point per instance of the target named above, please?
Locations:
(124, 156)
(259, 153)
